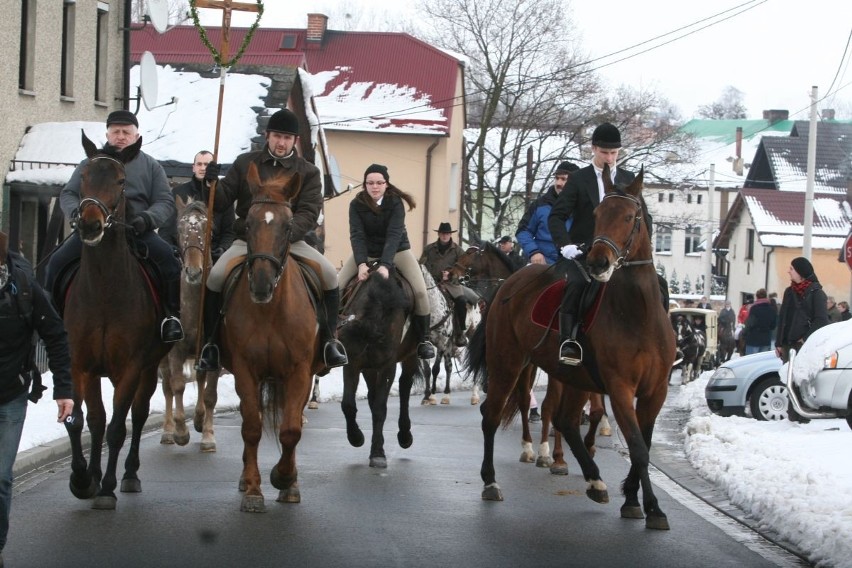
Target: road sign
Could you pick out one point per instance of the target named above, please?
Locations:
(847, 250)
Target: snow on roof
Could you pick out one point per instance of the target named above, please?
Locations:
(777, 224)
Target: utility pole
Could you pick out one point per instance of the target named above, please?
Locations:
(809, 188)
(708, 239)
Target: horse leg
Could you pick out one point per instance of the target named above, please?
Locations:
(448, 368)
(349, 407)
(406, 382)
(178, 383)
(523, 387)
(139, 415)
(82, 484)
(568, 417)
(315, 394)
(168, 435)
(116, 433)
(377, 397)
(247, 388)
(474, 395)
(292, 399)
(596, 414)
(556, 463)
(96, 421)
(431, 375)
(436, 370)
(208, 394)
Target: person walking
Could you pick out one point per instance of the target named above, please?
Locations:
(834, 314)
(704, 304)
(377, 233)
(844, 310)
(760, 323)
(533, 232)
(25, 308)
(803, 308)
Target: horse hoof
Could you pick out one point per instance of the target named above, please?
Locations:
(104, 503)
(631, 512)
(405, 439)
(290, 495)
(198, 423)
(433, 401)
(561, 469)
(598, 495)
(379, 462)
(356, 438)
(424, 402)
(181, 439)
(131, 485)
(241, 486)
(474, 400)
(445, 400)
(208, 447)
(492, 493)
(544, 461)
(167, 438)
(526, 458)
(657, 522)
(82, 490)
(252, 504)
(313, 405)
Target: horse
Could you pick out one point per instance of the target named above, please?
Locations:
(176, 368)
(112, 321)
(727, 343)
(373, 332)
(629, 348)
(269, 337)
(482, 268)
(692, 343)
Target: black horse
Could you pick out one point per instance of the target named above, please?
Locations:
(692, 342)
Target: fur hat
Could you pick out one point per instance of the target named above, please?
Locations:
(122, 117)
(284, 120)
(377, 169)
(566, 167)
(803, 266)
(445, 228)
(606, 136)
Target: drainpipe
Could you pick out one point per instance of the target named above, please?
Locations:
(427, 189)
(769, 253)
(125, 87)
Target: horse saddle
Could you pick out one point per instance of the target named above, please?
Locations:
(546, 307)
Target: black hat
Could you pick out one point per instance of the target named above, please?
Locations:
(284, 120)
(122, 117)
(445, 228)
(377, 169)
(606, 136)
(505, 239)
(567, 167)
(803, 266)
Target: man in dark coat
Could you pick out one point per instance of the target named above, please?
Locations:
(760, 323)
(533, 232)
(803, 308)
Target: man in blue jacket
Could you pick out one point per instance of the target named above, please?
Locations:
(533, 234)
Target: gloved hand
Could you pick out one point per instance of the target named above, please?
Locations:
(571, 251)
(212, 172)
(217, 252)
(75, 218)
(141, 224)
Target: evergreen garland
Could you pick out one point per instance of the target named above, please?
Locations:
(217, 57)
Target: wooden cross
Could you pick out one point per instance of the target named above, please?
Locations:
(228, 6)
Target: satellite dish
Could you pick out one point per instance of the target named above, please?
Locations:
(158, 13)
(148, 80)
(334, 172)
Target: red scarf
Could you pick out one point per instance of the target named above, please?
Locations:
(800, 287)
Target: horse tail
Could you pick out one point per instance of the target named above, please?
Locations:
(269, 395)
(474, 360)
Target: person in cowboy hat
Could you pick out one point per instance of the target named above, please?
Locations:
(438, 257)
(282, 135)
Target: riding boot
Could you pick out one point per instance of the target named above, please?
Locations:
(459, 318)
(425, 349)
(570, 351)
(333, 352)
(208, 359)
(170, 329)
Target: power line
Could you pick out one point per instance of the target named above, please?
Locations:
(840, 65)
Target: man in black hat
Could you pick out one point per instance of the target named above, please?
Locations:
(533, 232)
(507, 247)
(149, 206)
(282, 134)
(438, 257)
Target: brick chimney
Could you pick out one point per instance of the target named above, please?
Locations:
(828, 114)
(317, 24)
(738, 159)
(776, 115)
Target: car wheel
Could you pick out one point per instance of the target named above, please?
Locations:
(768, 400)
(849, 410)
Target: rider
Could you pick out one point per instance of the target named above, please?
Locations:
(438, 257)
(149, 205)
(377, 232)
(533, 234)
(279, 152)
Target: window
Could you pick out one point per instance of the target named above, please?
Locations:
(689, 198)
(101, 53)
(663, 239)
(660, 197)
(288, 41)
(749, 244)
(26, 64)
(698, 199)
(671, 198)
(66, 88)
(692, 240)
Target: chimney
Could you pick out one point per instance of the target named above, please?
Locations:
(776, 115)
(828, 114)
(317, 24)
(738, 158)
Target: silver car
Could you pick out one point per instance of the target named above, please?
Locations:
(749, 386)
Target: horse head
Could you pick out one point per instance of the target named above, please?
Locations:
(268, 226)
(621, 237)
(102, 185)
(191, 233)
(462, 270)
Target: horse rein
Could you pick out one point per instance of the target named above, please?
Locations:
(106, 211)
(278, 263)
(622, 253)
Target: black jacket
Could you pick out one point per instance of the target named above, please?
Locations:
(16, 332)
(760, 323)
(801, 316)
(379, 234)
(223, 221)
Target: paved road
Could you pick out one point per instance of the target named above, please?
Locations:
(424, 510)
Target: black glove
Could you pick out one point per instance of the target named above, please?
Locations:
(141, 224)
(75, 218)
(212, 172)
(217, 252)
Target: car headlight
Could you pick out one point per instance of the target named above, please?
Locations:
(723, 373)
(830, 362)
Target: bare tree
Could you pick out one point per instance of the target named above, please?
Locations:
(728, 106)
(178, 11)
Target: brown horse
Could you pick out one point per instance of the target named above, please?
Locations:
(629, 349)
(113, 331)
(269, 337)
(727, 343)
(177, 368)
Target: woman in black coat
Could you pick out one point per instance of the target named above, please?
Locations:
(803, 309)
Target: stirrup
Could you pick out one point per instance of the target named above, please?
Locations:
(171, 338)
(337, 360)
(569, 360)
(425, 350)
(208, 361)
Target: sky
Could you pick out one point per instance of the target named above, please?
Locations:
(773, 51)
(794, 477)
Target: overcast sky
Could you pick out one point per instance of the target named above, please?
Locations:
(771, 50)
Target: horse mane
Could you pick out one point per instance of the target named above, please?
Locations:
(503, 258)
(195, 206)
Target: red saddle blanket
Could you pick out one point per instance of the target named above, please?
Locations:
(548, 302)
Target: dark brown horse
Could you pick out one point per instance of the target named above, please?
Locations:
(629, 349)
(176, 368)
(727, 343)
(269, 337)
(113, 331)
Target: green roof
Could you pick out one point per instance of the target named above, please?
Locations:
(726, 130)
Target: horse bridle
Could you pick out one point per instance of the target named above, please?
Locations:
(467, 279)
(109, 213)
(194, 234)
(278, 263)
(622, 253)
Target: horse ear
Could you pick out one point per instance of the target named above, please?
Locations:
(127, 154)
(88, 146)
(181, 204)
(293, 187)
(635, 187)
(252, 176)
(606, 176)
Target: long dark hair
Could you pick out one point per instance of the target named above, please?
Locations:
(391, 190)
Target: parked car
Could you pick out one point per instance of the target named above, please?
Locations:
(748, 386)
